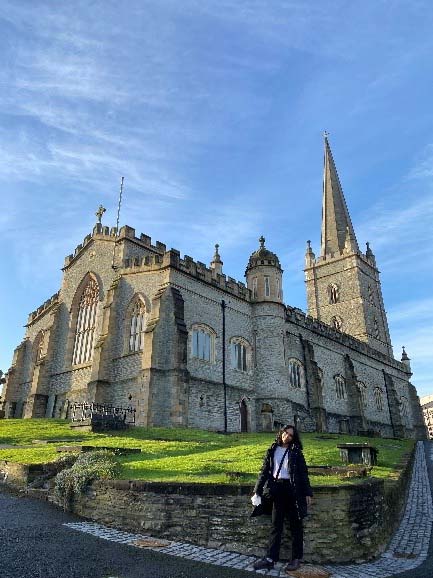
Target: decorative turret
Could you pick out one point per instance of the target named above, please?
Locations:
(264, 275)
(350, 244)
(310, 257)
(405, 359)
(216, 264)
(370, 255)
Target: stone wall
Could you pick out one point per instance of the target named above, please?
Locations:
(352, 522)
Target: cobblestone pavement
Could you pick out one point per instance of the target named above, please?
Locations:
(406, 551)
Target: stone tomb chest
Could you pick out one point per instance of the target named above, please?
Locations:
(358, 453)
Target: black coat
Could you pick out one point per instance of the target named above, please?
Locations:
(298, 475)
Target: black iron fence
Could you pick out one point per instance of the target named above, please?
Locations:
(85, 411)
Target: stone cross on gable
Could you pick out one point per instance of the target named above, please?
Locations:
(100, 212)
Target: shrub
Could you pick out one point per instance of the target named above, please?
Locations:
(89, 466)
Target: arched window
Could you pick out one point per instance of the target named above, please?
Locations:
(296, 373)
(363, 392)
(340, 387)
(203, 343)
(337, 323)
(378, 398)
(254, 287)
(239, 354)
(333, 293)
(86, 323)
(267, 287)
(137, 326)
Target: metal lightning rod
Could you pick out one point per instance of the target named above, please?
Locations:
(113, 266)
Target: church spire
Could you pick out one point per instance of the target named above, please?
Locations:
(336, 223)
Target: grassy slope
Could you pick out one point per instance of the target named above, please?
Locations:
(186, 454)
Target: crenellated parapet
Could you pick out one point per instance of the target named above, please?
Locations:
(297, 316)
(100, 232)
(43, 309)
(187, 265)
(103, 233)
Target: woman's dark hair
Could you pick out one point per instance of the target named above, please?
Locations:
(296, 439)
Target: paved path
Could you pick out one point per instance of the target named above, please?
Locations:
(407, 551)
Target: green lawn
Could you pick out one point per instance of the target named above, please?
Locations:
(187, 455)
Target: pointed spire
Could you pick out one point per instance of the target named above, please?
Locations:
(335, 216)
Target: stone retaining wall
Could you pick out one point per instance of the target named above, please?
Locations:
(352, 522)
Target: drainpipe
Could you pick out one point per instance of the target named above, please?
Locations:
(223, 309)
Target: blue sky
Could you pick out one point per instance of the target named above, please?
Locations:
(213, 110)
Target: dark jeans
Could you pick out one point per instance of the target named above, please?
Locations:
(285, 508)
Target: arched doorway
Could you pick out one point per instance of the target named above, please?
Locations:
(244, 415)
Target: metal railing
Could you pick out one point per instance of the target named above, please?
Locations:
(84, 411)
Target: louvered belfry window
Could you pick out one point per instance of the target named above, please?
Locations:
(136, 334)
(86, 323)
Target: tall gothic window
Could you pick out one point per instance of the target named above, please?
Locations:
(363, 392)
(86, 323)
(137, 326)
(238, 354)
(296, 373)
(255, 288)
(333, 293)
(340, 387)
(203, 343)
(378, 398)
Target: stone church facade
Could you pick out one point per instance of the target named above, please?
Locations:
(136, 324)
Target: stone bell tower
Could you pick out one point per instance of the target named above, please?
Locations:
(343, 286)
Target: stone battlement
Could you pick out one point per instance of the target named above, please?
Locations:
(295, 315)
(105, 233)
(42, 309)
(187, 265)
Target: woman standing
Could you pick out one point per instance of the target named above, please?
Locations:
(284, 469)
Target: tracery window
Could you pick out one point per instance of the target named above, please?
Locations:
(340, 387)
(137, 326)
(337, 323)
(333, 293)
(378, 398)
(296, 373)
(239, 354)
(86, 323)
(203, 343)
(363, 392)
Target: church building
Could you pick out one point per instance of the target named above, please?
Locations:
(135, 324)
